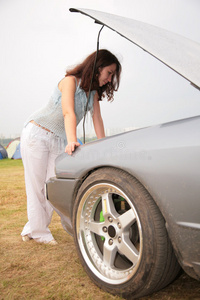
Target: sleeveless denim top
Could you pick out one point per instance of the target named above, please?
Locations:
(51, 116)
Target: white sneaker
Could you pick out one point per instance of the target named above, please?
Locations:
(26, 238)
(52, 242)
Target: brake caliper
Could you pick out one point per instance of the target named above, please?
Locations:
(101, 219)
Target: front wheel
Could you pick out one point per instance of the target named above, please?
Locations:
(120, 235)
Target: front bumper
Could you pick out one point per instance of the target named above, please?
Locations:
(60, 193)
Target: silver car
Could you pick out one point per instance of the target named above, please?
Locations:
(134, 210)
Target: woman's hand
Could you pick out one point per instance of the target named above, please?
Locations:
(71, 147)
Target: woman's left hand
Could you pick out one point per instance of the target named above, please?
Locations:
(71, 147)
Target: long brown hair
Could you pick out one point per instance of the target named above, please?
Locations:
(85, 69)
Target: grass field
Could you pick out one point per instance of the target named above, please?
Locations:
(37, 271)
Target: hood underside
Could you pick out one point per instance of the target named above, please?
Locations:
(179, 53)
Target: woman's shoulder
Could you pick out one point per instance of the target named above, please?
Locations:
(70, 82)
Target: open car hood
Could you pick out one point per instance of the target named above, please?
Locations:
(179, 53)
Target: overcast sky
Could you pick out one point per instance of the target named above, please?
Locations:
(41, 38)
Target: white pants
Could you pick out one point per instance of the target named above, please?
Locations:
(39, 149)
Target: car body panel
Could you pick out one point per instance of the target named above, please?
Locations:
(177, 52)
(166, 161)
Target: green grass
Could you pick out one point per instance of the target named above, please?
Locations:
(37, 271)
(10, 163)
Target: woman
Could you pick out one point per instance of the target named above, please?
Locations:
(44, 135)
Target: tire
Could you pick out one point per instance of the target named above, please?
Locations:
(120, 235)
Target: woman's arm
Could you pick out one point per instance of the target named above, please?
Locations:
(97, 119)
(68, 87)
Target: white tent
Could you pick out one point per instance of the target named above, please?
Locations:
(12, 148)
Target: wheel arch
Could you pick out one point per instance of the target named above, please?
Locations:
(137, 178)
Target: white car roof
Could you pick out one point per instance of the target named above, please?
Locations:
(177, 52)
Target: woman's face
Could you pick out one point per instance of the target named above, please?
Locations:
(106, 74)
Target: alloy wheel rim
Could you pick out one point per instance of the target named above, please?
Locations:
(109, 233)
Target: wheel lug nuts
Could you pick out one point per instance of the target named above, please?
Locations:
(105, 229)
(110, 242)
(119, 239)
(119, 225)
(110, 219)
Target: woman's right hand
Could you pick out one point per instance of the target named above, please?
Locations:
(71, 147)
